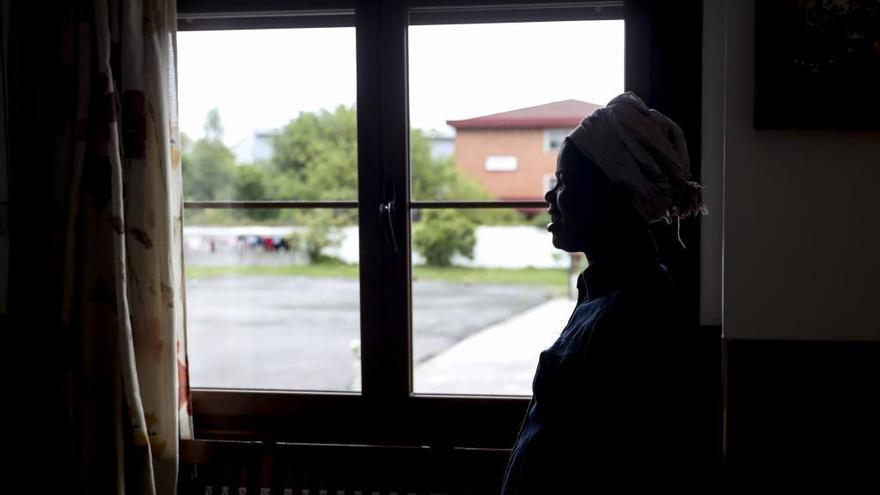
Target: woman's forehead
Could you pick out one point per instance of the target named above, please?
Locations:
(569, 160)
(577, 166)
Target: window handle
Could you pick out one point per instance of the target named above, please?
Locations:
(386, 211)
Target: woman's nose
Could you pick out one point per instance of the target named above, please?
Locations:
(548, 196)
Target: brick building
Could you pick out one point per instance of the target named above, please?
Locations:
(513, 154)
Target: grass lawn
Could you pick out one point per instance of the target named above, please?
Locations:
(553, 279)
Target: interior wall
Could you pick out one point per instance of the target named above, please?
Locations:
(4, 188)
(712, 159)
(801, 244)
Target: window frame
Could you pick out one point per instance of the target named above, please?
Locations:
(548, 182)
(548, 139)
(386, 411)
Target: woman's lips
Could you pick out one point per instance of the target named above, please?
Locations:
(554, 217)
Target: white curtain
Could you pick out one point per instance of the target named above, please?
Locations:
(122, 291)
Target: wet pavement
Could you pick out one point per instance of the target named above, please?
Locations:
(499, 360)
(297, 333)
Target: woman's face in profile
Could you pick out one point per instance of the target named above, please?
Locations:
(579, 202)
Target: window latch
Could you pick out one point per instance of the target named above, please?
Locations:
(386, 211)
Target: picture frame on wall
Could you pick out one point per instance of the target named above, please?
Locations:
(817, 64)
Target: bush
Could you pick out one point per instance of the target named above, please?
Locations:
(323, 231)
(443, 233)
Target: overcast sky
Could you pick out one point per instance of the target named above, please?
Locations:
(261, 79)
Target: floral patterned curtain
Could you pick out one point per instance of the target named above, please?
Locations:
(116, 190)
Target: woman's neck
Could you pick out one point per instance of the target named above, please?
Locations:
(626, 247)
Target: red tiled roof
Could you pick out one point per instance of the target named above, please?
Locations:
(565, 113)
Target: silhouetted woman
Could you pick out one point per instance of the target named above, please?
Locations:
(616, 390)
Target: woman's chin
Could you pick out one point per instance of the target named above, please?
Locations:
(563, 244)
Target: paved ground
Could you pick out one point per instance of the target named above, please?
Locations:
(500, 359)
(297, 332)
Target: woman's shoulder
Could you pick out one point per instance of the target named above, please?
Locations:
(622, 314)
(586, 316)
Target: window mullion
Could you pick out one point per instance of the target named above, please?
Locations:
(382, 127)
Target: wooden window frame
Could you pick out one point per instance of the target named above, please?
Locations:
(387, 412)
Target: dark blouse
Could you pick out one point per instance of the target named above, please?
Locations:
(615, 389)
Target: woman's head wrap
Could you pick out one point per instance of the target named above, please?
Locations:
(644, 151)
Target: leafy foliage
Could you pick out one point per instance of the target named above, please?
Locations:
(442, 234)
(315, 159)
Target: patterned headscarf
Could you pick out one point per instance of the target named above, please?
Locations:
(645, 151)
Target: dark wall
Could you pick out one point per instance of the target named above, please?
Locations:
(36, 344)
(803, 404)
(800, 276)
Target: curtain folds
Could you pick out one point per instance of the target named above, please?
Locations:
(106, 92)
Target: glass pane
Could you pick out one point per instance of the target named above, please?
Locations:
(268, 114)
(490, 103)
(273, 298)
(490, 292)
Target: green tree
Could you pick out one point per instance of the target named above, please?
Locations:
(213, 126)
(431, 179)
(252, 183)
(438, 179)
(208, 165)
(315, 156)
(443, 233)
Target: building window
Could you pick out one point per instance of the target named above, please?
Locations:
(503, 163)
(553, 139)
(548, 182)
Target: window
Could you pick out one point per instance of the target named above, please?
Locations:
(397, 182)
(505, 291)
(501, 163)
(553, 138)
(271, 268)
(549, 182)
